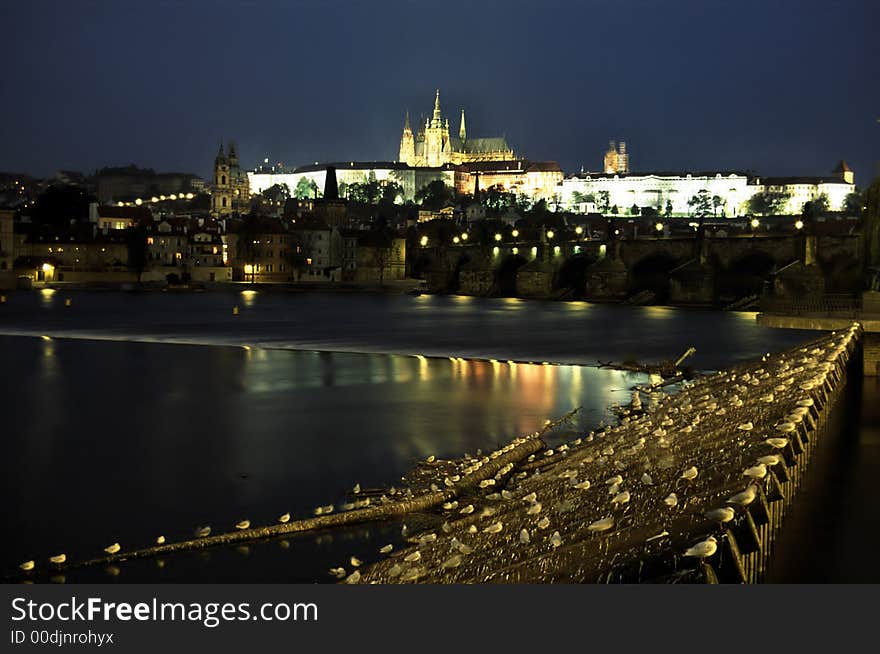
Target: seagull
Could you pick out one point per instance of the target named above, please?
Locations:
(703, 549)
(467, 510)
(621, 498)
(339, 573)
(786, 427)
(756, 472)
(671, 499)
(746, 426)
(452, 562)
(355, 561)
(770, 460)
(160, 540)
(428, 538)
(721, 515)
(465, 549)
(29, 565)
(690, 474)
(523, 537)
(244, 524)
(584, 485)
(544, 522)
(616, 479)
(744, 498)
(778, 443)
(506, 494)
(431, 459)
(203, 532)
(556, 539)
(534, 509)
(284, 518)
(356, 489)
(601, 525)
(647, 479)
(494, 528)
(412, 557)
(112, 549)
(58, 559)
(354, 577)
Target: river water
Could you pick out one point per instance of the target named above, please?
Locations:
(126, 416)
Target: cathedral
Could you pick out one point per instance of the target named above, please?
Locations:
(433, 146)
(230, 192)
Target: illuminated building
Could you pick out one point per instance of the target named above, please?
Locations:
(673, 193)
(231, 188)
(7, 246)
(537, 180)
(616, 158)
(432, 145)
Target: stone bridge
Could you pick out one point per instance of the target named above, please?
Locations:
(688, 270)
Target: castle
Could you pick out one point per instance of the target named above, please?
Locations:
(616, 159)
(230, 191)
(433, 146)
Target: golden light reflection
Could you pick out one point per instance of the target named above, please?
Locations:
(46, 295)
(248, 297)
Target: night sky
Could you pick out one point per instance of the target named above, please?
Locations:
(779, 87)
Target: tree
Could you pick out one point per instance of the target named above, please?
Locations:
(306, 188)
(716, 202)
(816, 207)
(854, 203)
(668, 208)
(246, 250)
(768, 203)
(138, 255)
(603, 202)
(701, 204)
(872, 225)
(650, 212)
(634, 210)
(435, 195)
(391, 192)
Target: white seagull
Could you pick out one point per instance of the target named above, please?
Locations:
(703, 549)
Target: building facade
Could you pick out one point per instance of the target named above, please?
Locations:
(230, 191)
(616, 158)
(673, 193)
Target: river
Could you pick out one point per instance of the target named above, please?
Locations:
(126, 416)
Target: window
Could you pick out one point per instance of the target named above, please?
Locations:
(224, 202)
(223, 181)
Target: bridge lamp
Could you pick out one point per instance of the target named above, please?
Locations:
(550, 233)
(496, 250)
(497, 237)
(658, 227)
(455, 239)
(424, 241)
(578, 230)
(755, 223)
(515, 233)
(464, 236)
(799, 225)
(556, 249)
(515, 250)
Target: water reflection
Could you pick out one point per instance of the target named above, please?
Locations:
(209, 435)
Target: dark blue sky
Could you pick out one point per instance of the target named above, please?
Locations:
(781, 87)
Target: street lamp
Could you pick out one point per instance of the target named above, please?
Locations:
(578, 230)
(799, 224)
(755, 223)
(515, 233)
(659, 226)
(550, 233)
(424, 241)
(464, 236)
(497, 237)
(455, 239)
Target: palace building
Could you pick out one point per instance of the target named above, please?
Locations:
(432, 145)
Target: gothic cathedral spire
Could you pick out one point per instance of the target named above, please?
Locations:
(462, 132)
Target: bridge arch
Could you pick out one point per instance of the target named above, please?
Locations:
(572, 274)
(651, 273)
(745, 275)
(505, 274)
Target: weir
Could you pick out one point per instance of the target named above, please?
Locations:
(625, 504)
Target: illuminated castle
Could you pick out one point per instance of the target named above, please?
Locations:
(616, 158)
(433, 146)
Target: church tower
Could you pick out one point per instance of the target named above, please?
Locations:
(434, 136)
(407, 144)
(462, 132)
(221, 201)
